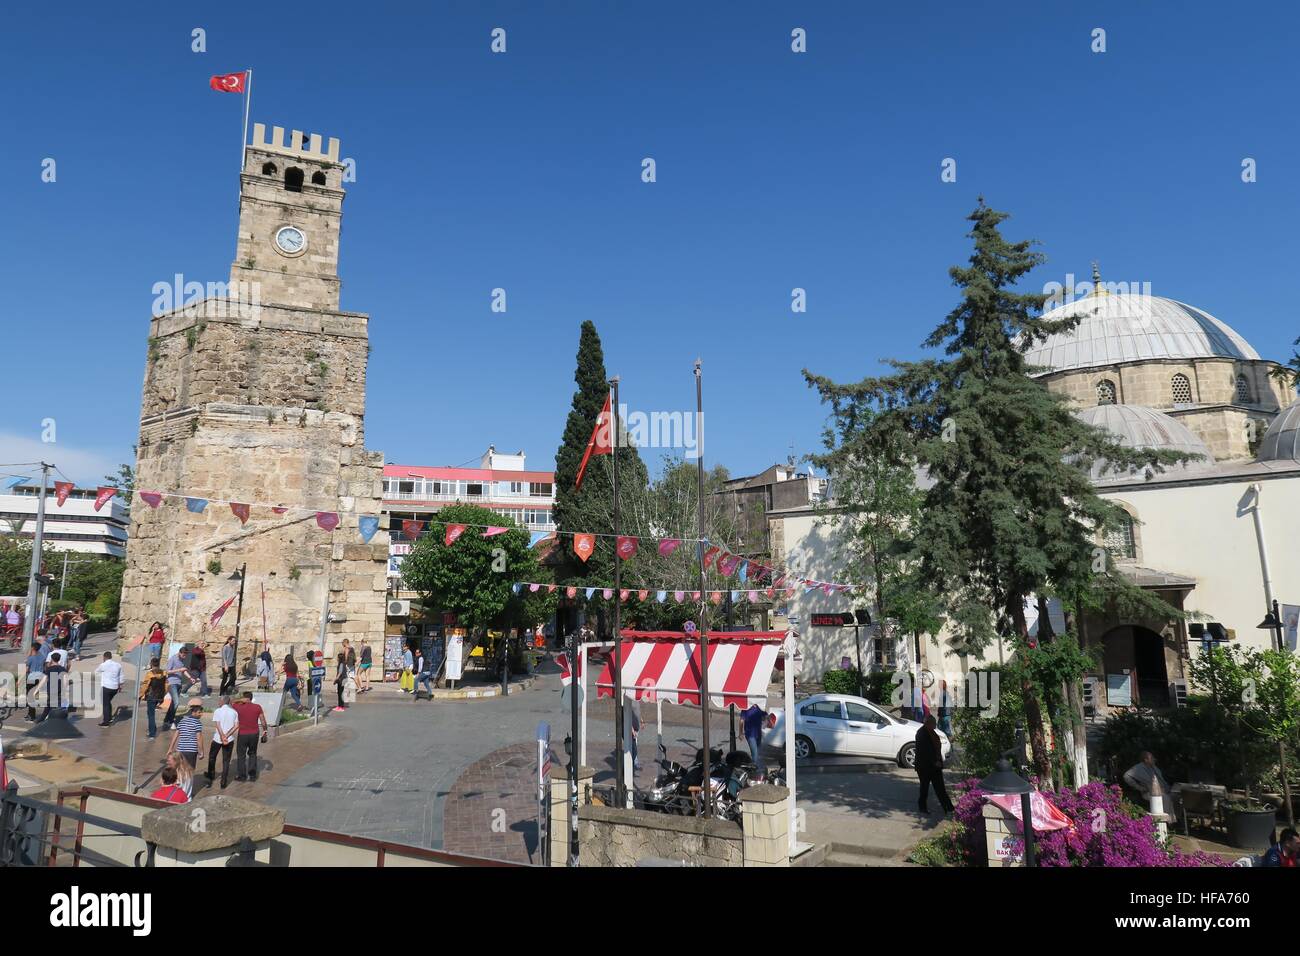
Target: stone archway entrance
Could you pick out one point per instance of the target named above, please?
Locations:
(1140, 652)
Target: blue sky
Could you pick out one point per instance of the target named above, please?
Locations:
(522, 171)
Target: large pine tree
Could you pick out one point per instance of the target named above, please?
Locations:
(1012, 512)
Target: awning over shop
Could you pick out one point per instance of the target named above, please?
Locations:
(665, 665)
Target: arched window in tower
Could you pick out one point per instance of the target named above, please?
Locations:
(293, 179)
(268, 169)
(1182, 389)
(318, 178)
(1105, 392)
(1120, 541)
(1243, 391)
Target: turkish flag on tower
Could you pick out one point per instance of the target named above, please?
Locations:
(228, 82)
(598, 444)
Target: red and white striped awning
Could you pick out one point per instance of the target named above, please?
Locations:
(665, 665)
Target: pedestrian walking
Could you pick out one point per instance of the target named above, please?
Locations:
(752, 719)
(252, 727)
(170, 791)
(80, 621)
(199, 668)
(110, 682)
(291, 684)
(407, 680)
(176, 672)
(929, 766)
(35, 674)
(187, 739)
(945, 708)
(363, 673)
(225, 725)
(153, 688)
(423, 674)
(340, 678)
(56, 665)
(228, 666)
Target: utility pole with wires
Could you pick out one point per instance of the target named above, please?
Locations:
(34, 578)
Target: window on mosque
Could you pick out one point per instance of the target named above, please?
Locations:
(1243, 390)
(1105, 392)
(1182, 389)
(1119, 540)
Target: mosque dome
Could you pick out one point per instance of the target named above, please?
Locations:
(1282, 440)
(1136, 426)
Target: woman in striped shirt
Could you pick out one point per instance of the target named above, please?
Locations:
(188, 738)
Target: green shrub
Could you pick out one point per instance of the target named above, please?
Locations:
(984, 736)
(840, 681)
(878, 687)
(942, 849)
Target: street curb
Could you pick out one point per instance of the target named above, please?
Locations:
(477, 693)
(880, 767)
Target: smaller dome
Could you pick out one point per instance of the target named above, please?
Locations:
(1136, 426)
(1282, 440)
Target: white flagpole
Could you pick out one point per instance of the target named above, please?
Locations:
(248, 99)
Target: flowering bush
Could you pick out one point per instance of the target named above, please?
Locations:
(1108, 831)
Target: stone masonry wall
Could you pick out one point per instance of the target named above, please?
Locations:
(610, 837)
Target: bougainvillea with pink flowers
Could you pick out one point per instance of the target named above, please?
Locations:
(1107, 831)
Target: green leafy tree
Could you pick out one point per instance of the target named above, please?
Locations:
(474, 575)
(1012, 511)
(123, 481)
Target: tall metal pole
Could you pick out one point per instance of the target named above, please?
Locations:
(577, 688)
(33, 586)
(239, 613)
(706, 790)
(135, 713)
(620, 781)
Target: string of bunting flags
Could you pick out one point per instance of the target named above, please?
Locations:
(584, 543)
(679, 595)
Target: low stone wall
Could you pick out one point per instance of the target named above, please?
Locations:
(609, 836)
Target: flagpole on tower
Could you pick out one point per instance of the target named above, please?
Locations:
(248, 100)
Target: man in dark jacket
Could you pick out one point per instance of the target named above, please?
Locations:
(929, 766)
(1285, 851)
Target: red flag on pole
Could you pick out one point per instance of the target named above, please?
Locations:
(220, 612)
(598, 444)
(228, 82)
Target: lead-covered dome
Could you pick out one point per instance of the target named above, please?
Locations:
(1136, 426)
(1115, 328)
(1282, 440)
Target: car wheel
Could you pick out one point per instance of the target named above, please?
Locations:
(907, 757)
(803, 747)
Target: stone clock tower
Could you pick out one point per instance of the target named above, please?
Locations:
(256, 393)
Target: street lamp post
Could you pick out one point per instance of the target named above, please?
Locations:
(239, 614)
(1273, 622)
(1004, 780)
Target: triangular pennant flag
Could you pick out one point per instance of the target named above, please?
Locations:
(550, 589)
(709, 555)
(668, 545)
(152, 498)
(493, 531)
(695, 595)
(61, 491)
(590, 592)
(196, 505)
(678, 596)
(771, 592)
(598, 444)
(327, 520)
(517, 587)
(626, 546)
(102, 494)
(622, 595)
(779, 581)
(454, 531)
(744, 571)
(280, 509)
(753, 597)
(534, 588)
(735, 597)
(571, 592)
(535, 537)
(715, 597)
(240, 511)
(642, 595)
(215, 619)
(583, 545)
(826, 588)
(412, 529)
(607, 593)
(15, 482)
(660, 596)
(367, 525)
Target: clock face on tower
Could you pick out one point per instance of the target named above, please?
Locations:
(290, 240)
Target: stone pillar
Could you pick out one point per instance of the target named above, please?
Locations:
(1001, 837)
(210, 830)
(765, 819)
(560, 808)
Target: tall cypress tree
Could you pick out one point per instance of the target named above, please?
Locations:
(1012, 512)
(591, 508)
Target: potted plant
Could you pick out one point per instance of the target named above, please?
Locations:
(1250, 823)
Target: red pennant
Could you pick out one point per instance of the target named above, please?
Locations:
(626, 546)
(412, 529)
(571, 592)
(695, 595)
(328, 520)
(583, 545)
(715, 597)
(550, 589)
(102, 494)
(240, 511)
(667, 546)
(494, 531)
(642, 595)
(727, 565)
(709, 555)
(771, 592)
(61, 491)
(622, 595)
(454, 531)
(278, 510)
(152, 498)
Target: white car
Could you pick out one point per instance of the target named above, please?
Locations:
(841, 724)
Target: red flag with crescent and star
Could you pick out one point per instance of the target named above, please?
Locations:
(598, 444)
(228, 82)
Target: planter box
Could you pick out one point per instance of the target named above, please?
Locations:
(1251, 829)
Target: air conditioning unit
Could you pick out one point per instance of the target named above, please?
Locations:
(399, 608)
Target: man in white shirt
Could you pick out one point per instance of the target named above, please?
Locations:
(110, 681)
(225, 728)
